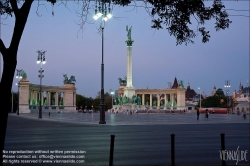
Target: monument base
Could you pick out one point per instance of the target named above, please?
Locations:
(129, 92)
(24, 109)
(128, 106)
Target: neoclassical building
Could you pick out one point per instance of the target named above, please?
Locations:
(169, 98)
(52, 97)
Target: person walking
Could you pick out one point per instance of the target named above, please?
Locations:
(198, 114)
(49, 114)
(244, 115)
(207, 113)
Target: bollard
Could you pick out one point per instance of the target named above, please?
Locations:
(172, 150)
(111, 153)
(222, 138)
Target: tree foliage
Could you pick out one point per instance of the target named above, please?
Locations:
(176, 16)
(83, 102)
(219, 100)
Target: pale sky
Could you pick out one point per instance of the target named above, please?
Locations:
(156, 58)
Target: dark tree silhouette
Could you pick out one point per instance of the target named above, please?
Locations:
(174, 14)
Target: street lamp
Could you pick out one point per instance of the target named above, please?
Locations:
(41, 60)
(18, 76)
(112, 93)
(102, 11)
(200, 97)
(227, 86)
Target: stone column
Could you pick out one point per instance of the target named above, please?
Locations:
(63, 98)
(143, 99)
(48, 98)
(35, 92)
(165, 97)
(129, 66)
(129, 90)
(172, 100)
(56, 98)
(75, 100)
(158, 100)
(32, 96)
(150, 98)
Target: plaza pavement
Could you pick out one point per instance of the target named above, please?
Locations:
(138, 119)
(140, 139)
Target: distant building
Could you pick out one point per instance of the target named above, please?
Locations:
(243, 98)
(214, 91)
(190, 94)
(242, 94)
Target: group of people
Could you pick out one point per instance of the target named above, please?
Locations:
(206, 113)
(243, 114)
(130, 112)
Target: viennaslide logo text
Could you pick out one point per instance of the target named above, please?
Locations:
(233, 155)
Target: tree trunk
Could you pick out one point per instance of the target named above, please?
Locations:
(9, 64)
(9, 67)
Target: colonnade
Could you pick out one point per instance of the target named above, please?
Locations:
(167, 98)
(47, 98)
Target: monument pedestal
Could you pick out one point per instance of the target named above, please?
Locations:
(24, 108)
(24, 96)
(129, 92)
(128, 106)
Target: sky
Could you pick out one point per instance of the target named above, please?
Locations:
(156, 58)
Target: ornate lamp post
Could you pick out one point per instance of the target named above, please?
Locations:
(227, 86)
(18, 76)
(41, 60)
(200, 97)
(102, 11)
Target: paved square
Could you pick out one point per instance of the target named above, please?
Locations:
(140, 139)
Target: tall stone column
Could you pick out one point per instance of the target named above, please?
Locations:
(35, 97)
(129, 90)
(165, 97)
(63, 98)
(74, 104)
(143, 99)
(48, 98)
(150, 98)
(158, 100)
(172, 100)
(56, 99)
(42, 99)
(32, 96)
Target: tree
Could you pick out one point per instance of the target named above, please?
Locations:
(211, 101)
(108, 100)
(174, 14)
(219, 93)
(219, 100)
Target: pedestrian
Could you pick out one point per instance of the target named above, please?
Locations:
(49, 114)
(198, 114)
(207, 113)
(244, 115)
